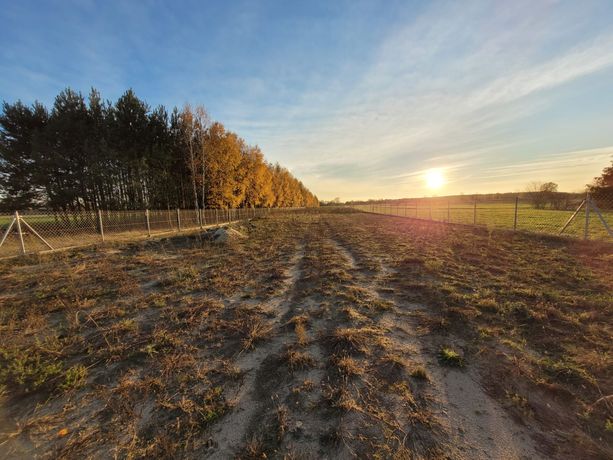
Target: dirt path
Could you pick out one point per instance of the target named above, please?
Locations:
(245, 403)
(476, 425)
(294, 383)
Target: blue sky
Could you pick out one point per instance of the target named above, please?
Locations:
(356, 98)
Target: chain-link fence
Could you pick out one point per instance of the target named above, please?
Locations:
(582, 216)
(34, 231)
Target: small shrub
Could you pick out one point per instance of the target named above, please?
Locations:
(26, 369)
(450, 357)
(381, 305)
(349, 366)
(298, 360)
(75, 377)
(519, 401)
(433, 265)
(420, 373)
(125, 325)
(356, 340)
(299, 323)
(159, 302)
(257, 331)
(488, 304)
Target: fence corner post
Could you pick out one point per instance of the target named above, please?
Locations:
(19, 232)
(588, 205)
(100, 224)
(515, 217)
(148, 223)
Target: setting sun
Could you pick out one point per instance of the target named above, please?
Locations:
(434, 178)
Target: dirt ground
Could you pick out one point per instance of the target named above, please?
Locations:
(321, 334)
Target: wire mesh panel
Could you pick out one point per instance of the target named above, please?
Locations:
(462, 214)
(574, 215)
(600, 218)
(189, 218)
(210, 216)
(495, 214)
(58, 229)
(123, 224)
(164, 220)
(545, 220)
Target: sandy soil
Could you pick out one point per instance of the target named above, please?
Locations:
(306, 339)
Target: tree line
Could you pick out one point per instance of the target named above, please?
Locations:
(89, 154)
(601, 188)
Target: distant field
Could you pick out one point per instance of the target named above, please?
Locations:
(321, 334)
(502, 215)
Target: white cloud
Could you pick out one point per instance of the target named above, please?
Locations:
(440, 86)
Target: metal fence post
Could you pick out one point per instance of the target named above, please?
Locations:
(475, 212)
(100, 224)
(588, 204)
(148, 223)
(515, 217)
(178, 220)
(448, 212)
(19, 232)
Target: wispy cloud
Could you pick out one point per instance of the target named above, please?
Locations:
(357, 99)
(443, 86)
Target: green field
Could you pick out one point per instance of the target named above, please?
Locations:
(502, 215)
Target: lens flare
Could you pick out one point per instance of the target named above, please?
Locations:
(435, 179)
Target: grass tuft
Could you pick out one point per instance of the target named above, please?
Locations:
(75, 377)
(450, 357)
(420, 373)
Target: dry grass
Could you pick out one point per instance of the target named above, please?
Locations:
(139, 350)
(535, 313)
(356, 339)
(296, 359)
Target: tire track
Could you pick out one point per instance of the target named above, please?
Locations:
(232, 430)
(476, 425)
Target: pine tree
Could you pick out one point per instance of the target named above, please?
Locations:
(91, 154)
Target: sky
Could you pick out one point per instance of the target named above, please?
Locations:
(359, 99)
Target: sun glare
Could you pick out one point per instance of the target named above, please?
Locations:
(434, 178)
